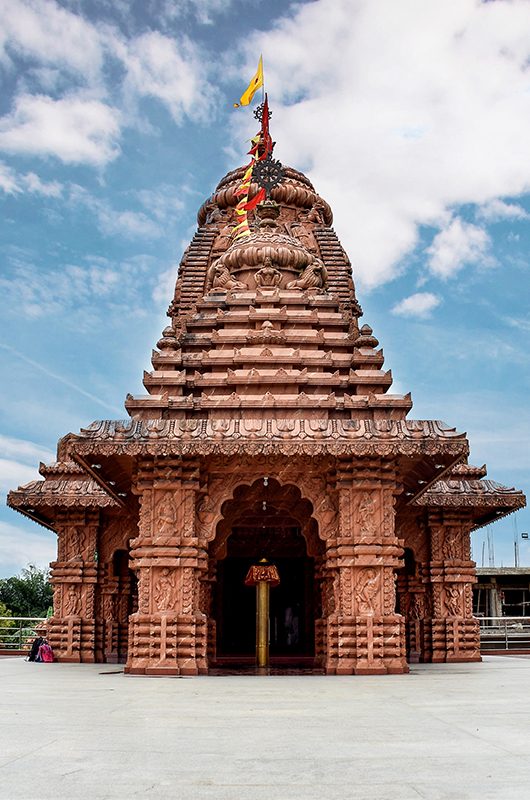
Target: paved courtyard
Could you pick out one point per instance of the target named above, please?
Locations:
(444, 732)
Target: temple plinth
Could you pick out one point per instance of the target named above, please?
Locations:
(268, 427)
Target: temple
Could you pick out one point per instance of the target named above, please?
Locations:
(268, 429)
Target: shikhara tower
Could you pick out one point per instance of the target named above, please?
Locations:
(268, 428)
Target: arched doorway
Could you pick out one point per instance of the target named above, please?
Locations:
(266, 520)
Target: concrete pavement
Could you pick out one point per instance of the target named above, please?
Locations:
(444, 732)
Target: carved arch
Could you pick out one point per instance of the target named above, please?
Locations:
(321, 505)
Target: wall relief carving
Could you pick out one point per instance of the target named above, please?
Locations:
(453, 599)
(451, 546)
(268, 276)
(72, 601)
(368, 587)
(219, 277)
(417, 609)
(166, 515)
(315, 276)
(366, 515)
(164, 590)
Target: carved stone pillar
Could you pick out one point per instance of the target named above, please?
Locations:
(108, 617)
(71, 630)
(366, 635)
(168, 632)
(454, 631)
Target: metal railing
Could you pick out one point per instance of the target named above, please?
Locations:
(17, 633)
(504, 633)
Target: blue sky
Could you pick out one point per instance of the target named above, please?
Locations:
(116, 121)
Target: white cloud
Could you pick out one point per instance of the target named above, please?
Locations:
(66, 288)
(167, 11)
(20, 546)
(42, 30)
(89, 99)
(19, 460)
(458, 244)
(497, 210)
(399, 112)
(35, 185)
(13, 183)
(165, 286)
(13, 474)
(420, 304)
(74, 129)
(82, 294)
(162, 203)
(23, 450)
(170, 71)
(111, 222)
(522, 325)
(8, 180)
(133, 224)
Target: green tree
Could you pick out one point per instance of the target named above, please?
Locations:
(6, 627)
(28, 594)
(5, 612)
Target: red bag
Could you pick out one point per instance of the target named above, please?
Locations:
(45, 653)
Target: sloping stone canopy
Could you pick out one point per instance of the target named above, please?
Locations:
(267, 423)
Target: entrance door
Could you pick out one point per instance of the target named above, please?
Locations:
(292, 608)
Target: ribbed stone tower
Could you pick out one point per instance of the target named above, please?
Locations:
(267, 430)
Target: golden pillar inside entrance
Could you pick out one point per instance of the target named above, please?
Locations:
(262, 576)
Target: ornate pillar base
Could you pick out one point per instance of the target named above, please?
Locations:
(366, 646)
(168, 644)
(72, 639)
(455, 639)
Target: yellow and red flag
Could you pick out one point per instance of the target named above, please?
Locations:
(254, 85)
(262, 145)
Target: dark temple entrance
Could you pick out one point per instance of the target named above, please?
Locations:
(266, 529)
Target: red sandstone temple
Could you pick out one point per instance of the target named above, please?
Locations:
(268, 429)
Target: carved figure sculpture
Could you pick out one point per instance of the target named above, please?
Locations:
(314, 276)
(315, 214)
(214, 214)
(365, 515)
(78, 541)
(450, 545)
(268, 276)
(304, 236)
(417, 606)
(225, 237)
(72, 603)
(219, 277)
(453, 595)
(366, 590)
(167, 516)
(164, 591)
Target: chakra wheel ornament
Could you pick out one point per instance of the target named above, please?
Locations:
(258, 112)
(268, 174)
